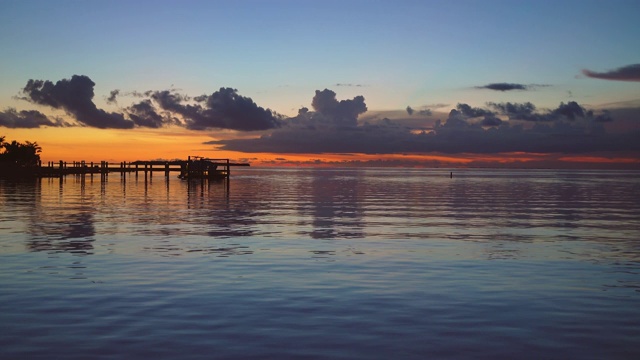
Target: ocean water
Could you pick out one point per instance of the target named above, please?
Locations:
(323, 263)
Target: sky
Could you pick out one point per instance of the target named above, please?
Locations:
(352, 83)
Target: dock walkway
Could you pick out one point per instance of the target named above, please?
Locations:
(195, 167)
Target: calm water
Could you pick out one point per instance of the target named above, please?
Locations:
(317, 263)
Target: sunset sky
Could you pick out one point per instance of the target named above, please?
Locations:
(349, 82)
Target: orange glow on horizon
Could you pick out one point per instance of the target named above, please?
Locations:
(600, 159)
(95, 145)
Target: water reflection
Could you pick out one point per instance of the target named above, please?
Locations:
(335, 204)
(497, 208)
(64, 232)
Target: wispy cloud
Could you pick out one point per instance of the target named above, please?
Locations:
(625, 73)
(111, 99)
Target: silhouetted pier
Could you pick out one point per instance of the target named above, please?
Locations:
(195, 167)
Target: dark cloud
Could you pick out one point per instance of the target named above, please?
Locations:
(224, 109)
(570, 110)
(491, 121)
(472, 112)
(515, 111)
(112, 96)
(527, 111)
(625, 73)
(604, 117)
(567, 129)
(144, 114)
(75, 96)
(509, 86)
(503, 87)
(423, 112)
(29, 119)
(409, 110)
(344, 112)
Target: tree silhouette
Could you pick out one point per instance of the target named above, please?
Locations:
(18, 154)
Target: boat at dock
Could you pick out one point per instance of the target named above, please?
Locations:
(205, 168)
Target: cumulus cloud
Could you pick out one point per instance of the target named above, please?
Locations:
(75, 96)
(344, 112)
(569, 128)
(224, 109)
(624, 73)
(11, 118)
(515, 111)
(527, 111)
(144, 114)
(472, 112)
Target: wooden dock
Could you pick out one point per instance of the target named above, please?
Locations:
(195, 167)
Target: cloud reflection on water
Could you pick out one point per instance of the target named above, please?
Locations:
(497, 208)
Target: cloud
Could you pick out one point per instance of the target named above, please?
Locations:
(472, 112)
(349, 85)
(515, 111)
(570, 110)
(625, 73)
(452, 137)
(224, 109)
(569, 128)
(112, 96)
(423, 112)
(409, 110)
(75, 96)
(491, 121)
(344, 112)
(144, 114)
(509, 86)
(27, 119)
(503, 87)
(527, 111)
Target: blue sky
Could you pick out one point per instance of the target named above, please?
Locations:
(486, 60)
(278, 52)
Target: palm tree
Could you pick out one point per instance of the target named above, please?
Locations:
(19, 154)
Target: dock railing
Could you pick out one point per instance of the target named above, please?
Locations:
(198, 167)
